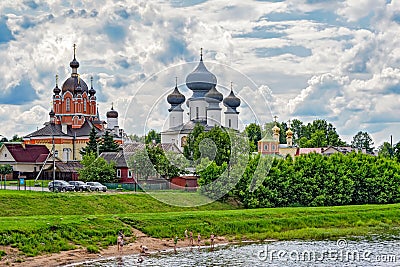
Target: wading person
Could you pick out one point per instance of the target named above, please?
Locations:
(120, 241)
(175, 242)
(191, 238)
(198, 239)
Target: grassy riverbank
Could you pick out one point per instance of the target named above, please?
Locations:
(36, 223)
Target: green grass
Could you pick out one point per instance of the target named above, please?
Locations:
(37, 223)
(28, 203)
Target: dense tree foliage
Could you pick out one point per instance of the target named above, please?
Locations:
(153, 161)
(188, 149)
(214, 145)
(253, 132)
(362, 140)
(97, 169)
(108, 144)
(315, 180)
(153, 137)
(92, 145)
(4, 170)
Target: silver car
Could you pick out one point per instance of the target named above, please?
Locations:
(96, 186)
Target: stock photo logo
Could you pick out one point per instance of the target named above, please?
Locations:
(202, 109)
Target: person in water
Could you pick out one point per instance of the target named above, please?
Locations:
(191, 238)
(175, 242)
(198, 239)
(120, 241)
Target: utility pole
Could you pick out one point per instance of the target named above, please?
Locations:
(54, 164)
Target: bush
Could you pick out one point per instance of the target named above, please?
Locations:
(93, 249)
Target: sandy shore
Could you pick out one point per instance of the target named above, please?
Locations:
(80, 255)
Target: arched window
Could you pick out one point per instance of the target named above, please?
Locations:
(84, 105)
(229, 123)
(68, 104)
(197, 113)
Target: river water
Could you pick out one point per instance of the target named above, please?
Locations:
(281, 253)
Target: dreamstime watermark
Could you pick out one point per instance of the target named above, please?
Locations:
(339, 253)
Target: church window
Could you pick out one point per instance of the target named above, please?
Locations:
(197, 112)
(68, 105)
(229, 123)
(84, 105)
(266, 147)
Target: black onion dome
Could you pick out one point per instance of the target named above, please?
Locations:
(176, 98)
(231, 101)
(213, 94)
(56, 90)
(112, 113)
(74, 64)
(71, 84)
(92, 91)
(201, 79)
(78, 89)
(51, 113)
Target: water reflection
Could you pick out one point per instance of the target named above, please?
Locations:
(284, 253)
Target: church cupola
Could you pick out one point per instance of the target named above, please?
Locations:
(175, 99)
(52, 115)
(78, 89)
(231, 102)
(289, 136)
(92, 92)
(112, 119)
(276, 130)
(72, 82)
(200, 81)
(56, 90)
(214, 98)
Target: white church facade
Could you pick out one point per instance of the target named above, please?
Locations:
(204, 107)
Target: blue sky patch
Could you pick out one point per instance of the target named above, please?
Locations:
(115, 32)
(296, 50)
(263, 32)
(186, 3)
(5, 33)
(20, 94)
(30, 3)
(175, 48)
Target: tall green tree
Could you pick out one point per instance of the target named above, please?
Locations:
(3, 140)
(253, 132)
(108, 144)
(16, 138)
(141, 165)
(153, 136)
(97, 169)
(92, 145)
(362, 140)
(386, 150)
(214, 144)
(188, 149)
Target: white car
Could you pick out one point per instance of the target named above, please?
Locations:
(96, 186)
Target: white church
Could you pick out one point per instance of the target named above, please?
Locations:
(204, 107)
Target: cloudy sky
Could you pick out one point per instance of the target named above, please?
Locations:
(304, 59)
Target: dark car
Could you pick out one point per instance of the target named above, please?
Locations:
(60, 186)
(80, 186)
(96, 186)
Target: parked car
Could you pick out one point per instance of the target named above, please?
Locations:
(60, 186)
(96, 186)
(80, 186)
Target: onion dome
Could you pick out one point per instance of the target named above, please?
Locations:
(56, 90)
(289, 132)
(176, 97)
(201, 79)
(72, 82)
(78, 89)
(51, 113)
(276, 129)
(112, 113)
(91, 90)
(231, 101)
(214, 96)
(74, 64)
